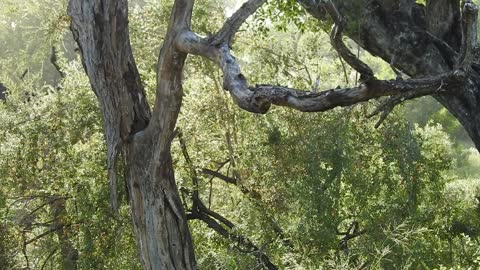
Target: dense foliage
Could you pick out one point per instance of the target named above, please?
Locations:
(310, 191)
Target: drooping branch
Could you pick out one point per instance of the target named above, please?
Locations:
(54, 61)
(232, 25)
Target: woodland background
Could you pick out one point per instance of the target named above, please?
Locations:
(309, 190)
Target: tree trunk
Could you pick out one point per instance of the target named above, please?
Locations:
(100, 28)
(68, 251)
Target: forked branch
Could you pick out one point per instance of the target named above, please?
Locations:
(338, 44)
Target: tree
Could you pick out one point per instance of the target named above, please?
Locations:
(434, 44)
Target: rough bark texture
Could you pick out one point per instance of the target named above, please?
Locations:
(101, 31)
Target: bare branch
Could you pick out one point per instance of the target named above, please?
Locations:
(259, 98)
(233, 23)
(220, 176)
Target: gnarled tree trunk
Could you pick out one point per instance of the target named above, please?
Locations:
(100, 28)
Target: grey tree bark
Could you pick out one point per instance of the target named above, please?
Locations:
(435, 45)
(100, 28)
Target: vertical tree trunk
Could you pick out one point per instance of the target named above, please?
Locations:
(68, 251)
(100, 28)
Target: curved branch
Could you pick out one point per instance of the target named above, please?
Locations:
(259, 98)
(233, 23)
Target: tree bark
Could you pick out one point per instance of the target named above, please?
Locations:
(418, 40)
(100, 28)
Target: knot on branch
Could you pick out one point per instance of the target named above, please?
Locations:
(470, 8)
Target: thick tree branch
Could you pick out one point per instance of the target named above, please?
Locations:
(159, 222)
(232, 25)
(100, 28)
(260, 97)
